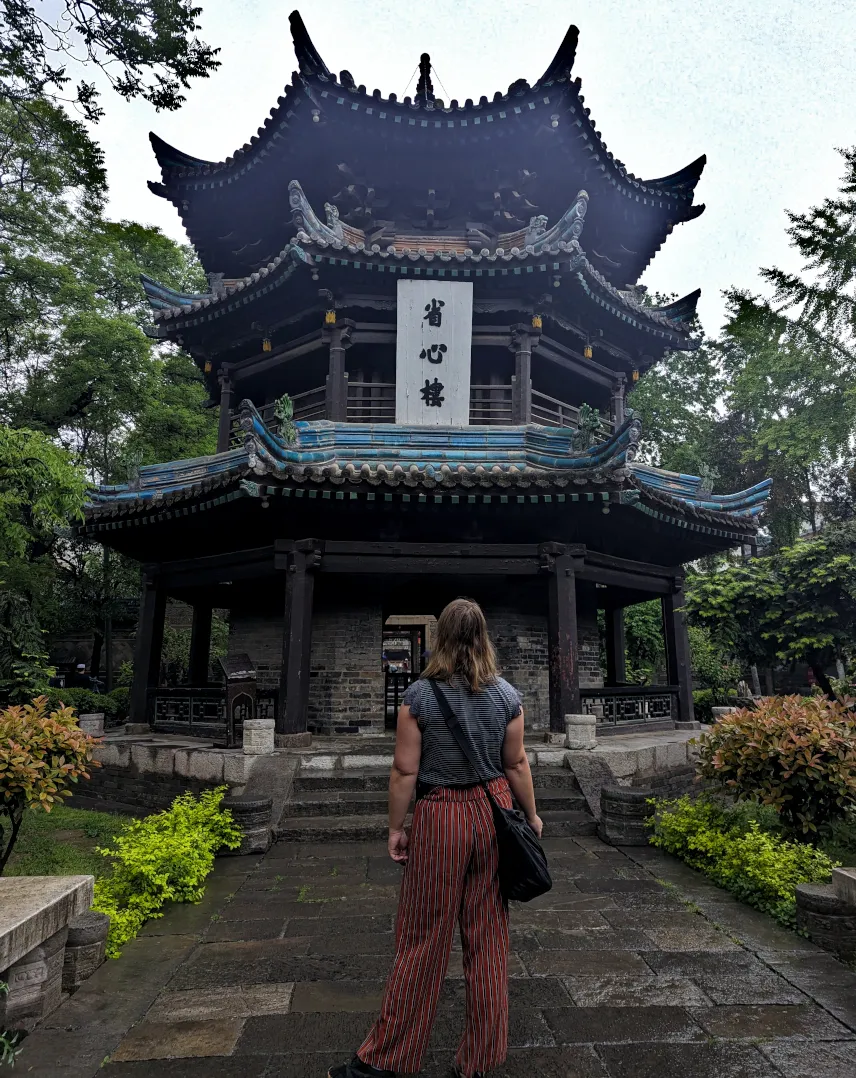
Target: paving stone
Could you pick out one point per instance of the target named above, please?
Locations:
(685, 1061)
(800, 1060)
(732, 978)
(672, 931)
(623, 990)
(752, 1022)
(342, 1032)
(307, 926)
(600, 939)
(224, 1067)
(526, 1029)
(178, 1040)
(807, 970)
(354, 943)
(580, 963)
(753, 929)
(619, 886)
(221, 931)
(532, 993)
(236, 1001)
(331, 996)
(282, 967)
(569, 904)
(617, 1025)
(577, 1062)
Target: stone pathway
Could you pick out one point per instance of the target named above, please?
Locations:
(632, 967)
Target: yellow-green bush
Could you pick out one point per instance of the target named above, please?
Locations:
(164, 857)
(733, 848)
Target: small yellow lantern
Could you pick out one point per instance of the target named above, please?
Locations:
(266, 345)
(587, 351)
(536, 321)
(207, 367)
(329, 318)
(635, 376)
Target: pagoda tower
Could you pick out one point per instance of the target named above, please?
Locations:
(421, 323)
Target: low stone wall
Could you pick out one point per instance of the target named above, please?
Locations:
(136, 789)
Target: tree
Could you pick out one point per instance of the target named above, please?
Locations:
(796, 605)
(144, 48)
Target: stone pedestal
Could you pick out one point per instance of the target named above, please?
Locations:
(92, 724)
(293, 741)
(35, 985)
(827, 919)
(259, 737)
(721, 712)
(580, 732)
(253, 816)
(623, 811)
(844, 884)
(131, 729)
(84, 948)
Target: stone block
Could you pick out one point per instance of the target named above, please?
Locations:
(844, 884)
(353, 762)
(153, 759)
(259, 737)
(34, 984)
(92, 724)
(580, 732)
(253, 817)
(237, 768)
(826, 919)
(205, 765)
(318, 763)
(721, 712)
(84, 948)
(293, 741)
(136, 728)
(550, 757)
(34, 908)
(113, 754)
(623, 812)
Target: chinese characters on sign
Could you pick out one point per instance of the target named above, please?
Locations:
(433, 352)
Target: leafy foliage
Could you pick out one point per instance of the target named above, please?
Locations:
(795, 754)
(796, 604)
(9, 1041)
(733, 848)
(162, 858)
(63, 843)
(40, 755)
(146, 49)
(114, 705)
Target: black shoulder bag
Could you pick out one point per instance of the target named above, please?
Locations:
(523, 871)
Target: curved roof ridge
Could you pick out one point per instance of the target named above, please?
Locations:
(308, 57)
(562, 63)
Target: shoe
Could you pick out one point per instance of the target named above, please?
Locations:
(357, 1069)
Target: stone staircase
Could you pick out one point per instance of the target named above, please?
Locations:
(351, 805)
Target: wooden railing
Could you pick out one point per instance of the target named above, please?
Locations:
(555, 413)
(371, 402)
(631, 704)
(491, 406)
(200, 711)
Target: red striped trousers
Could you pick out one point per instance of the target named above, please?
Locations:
(451, 874)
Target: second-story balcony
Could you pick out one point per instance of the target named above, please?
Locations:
(374, 402)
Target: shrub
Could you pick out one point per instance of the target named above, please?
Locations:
(705, 700)
(164, 857)
(795, 753)
(733, 847)
(40, 754)
(114, 704)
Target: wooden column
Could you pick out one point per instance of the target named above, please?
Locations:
(147, 647)
(523, 340)
(200, 645)
(224, 429)
(300, 565)
(616, 660)
(619, 390)
(678, 651)
(338, 336)
(562, 636)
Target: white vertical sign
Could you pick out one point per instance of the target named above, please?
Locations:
(433, 352)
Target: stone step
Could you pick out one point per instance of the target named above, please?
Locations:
(332, 829)
(565, 824)
(369, 779)
(367, 803)
(554, 778)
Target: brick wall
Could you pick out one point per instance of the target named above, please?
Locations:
(520, 638)
(260, 636)
(591, 674)
(125, 786)
(346, 681)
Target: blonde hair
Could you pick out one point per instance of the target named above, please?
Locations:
(462, 646)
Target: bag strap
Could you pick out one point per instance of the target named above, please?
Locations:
(457, 731)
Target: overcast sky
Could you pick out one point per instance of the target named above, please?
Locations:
(765, 88)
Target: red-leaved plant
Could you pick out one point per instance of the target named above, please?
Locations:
(795, 753)
(40, 755)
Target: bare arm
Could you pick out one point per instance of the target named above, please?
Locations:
(515, 763)
(402, 780)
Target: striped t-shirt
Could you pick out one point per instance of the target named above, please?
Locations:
(484, 716)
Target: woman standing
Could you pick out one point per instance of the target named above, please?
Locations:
(450, 856)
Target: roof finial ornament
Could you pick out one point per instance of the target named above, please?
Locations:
(425, 87)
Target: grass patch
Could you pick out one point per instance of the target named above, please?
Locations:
(62, 843)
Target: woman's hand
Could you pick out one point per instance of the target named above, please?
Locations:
(397, 846)
(536, 824)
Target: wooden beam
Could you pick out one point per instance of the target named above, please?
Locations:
(224, 424)
(669, 572)
(296, 643)
(451, 566)
(616, 648)
(394, 549)
(200, 644)
(616, 578)
(563, 641)
(678, 653)
(215, 566)
(147, 647)
(303, 346)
